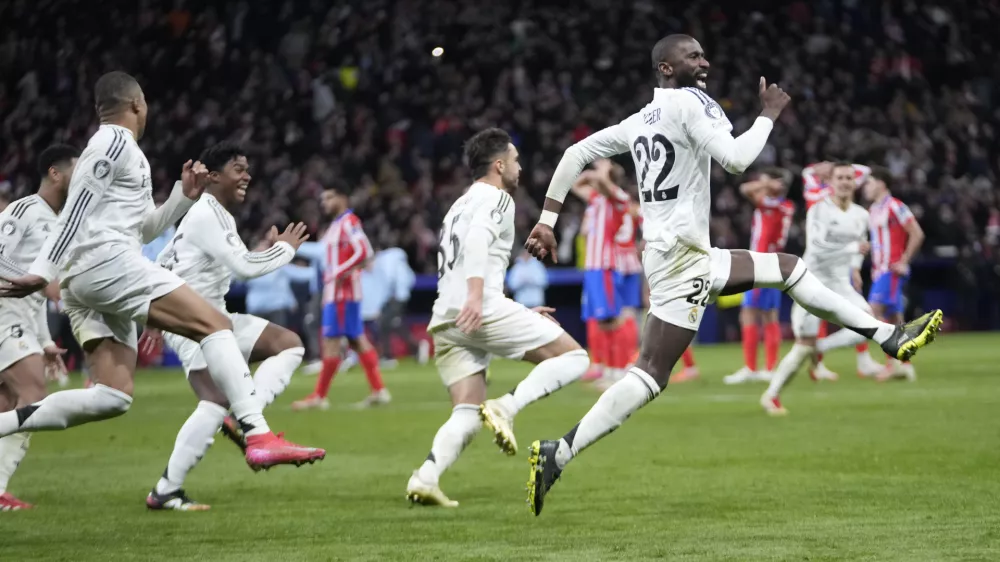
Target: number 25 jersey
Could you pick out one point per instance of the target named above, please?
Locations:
(482, 206)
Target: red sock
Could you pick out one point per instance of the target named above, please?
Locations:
(613, 347)
(369, 360)
(630, 336)
(750, 339)
(772, 344)
(595, 341)
(824, 331)
(688, 358)
(330, 367)
(861, 347)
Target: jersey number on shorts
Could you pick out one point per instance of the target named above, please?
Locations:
(444, 259)
(700, 295)
(646, 154)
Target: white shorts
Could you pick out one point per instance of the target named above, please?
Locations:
(683, 281)
(107, 300)
(510, 332)
(17, 341)
(246, 327)
(805, 325)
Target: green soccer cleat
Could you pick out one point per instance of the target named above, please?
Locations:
(544, 473)
(915, 334)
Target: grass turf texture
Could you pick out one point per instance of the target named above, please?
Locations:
(858, 471)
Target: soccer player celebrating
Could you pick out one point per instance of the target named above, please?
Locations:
(344, 251)
(836, 228)
(673, 141)
(27, 351)
(108, 286)
(772, 217)
(473, 321)
(815, 188)
(895, 239)
(206, 252)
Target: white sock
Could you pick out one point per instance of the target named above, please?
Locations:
(66, 408)
(547, 377)
(789, 365)
(842, 338)
(193, 440)
(821, 301)
(450, 440)
(12, 450)
(617, 403)
(274, 374)
(232, 375)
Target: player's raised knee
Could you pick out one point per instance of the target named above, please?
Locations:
(110, 402)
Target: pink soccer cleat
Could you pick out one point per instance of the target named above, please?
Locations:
(265, 451)
(312, 402)
(10, 503)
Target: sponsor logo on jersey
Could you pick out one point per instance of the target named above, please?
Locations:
(8, 228)
(713, 110)
(101, 169)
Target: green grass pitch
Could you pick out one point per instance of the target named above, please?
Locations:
(857, 471)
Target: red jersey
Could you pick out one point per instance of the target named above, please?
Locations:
(815, 190)
(887, 223)
(602, 219)
(771, 220)
(627, 260)
(347, 248)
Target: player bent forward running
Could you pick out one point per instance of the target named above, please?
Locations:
(108, 286)
(473, 321)
(673, 141)
(26, 347)
(206, 252)
(836, 228)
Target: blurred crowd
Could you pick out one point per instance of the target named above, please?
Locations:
(351, 90)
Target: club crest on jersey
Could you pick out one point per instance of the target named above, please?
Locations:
(16, 331)
(101, 169)
(497, 216)
(713, 110)
(8, 228)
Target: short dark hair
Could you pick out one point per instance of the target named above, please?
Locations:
(664, 47)
(882, 174)
(217, 156)
(339, 187)
(56, 155)
(483, 148)
(777, 173)
(843, 164)
(113, 90)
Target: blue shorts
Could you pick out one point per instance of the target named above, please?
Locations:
(342, 319)
(887, 290)
(762, 299)
(600, 295)
(630, 289)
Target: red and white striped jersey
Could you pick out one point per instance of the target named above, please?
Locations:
(814, 189)
(771, 220)
(347, 249)
(627, 260)
(887, 222)
(602, 219)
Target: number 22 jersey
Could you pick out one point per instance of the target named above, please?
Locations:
(482, 206)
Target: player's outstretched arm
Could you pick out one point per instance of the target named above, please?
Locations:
(230, 250)
(184, 194)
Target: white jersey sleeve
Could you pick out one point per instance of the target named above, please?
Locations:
(213, 230)
(166, 214)
(711, 131)
(24, 226)
(602, 144)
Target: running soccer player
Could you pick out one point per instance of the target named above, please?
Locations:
(206, 252)
(673, 141)
(108, 286)
(896, 238)
(772, 217)
(27, 351)
(836, 229)
(343, 251)
(473, 321)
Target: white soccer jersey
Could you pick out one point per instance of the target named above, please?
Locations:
(482, 206)
(672, 141)
(833, 239)
(206, 252)
(24, 226)
(110, 197)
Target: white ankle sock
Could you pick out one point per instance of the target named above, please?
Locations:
(450, 440)
(66, 408)
(274, 374)
(12, 451)
(842, 338)
(547, 377)
(617, 403)
(193, 441)
(789, 365)
(232, 375)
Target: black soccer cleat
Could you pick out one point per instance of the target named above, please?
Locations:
(915, 334)
(231, 429)
(544, 472)
(176, 500)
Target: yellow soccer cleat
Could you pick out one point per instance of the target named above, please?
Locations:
(422, 493)
(915, 334)
(502, 425)
(544, 473)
